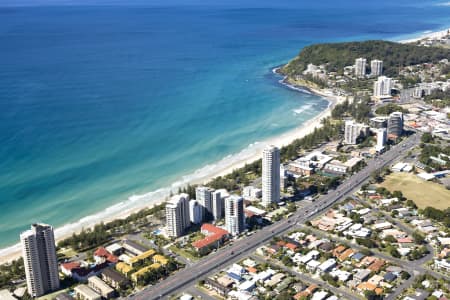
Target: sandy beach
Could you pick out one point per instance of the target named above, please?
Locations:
(430, 35)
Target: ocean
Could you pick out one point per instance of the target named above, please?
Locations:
(103, 100)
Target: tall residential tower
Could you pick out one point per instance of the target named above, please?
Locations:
(376, 67)
(234, 214)
(360, 67)
(177, 215)
(40, 260)
(270, 175)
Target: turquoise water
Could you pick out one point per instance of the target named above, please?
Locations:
(101, 102)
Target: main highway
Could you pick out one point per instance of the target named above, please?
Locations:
(181, 280)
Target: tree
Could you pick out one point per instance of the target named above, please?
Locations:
(427, 138)
(418, 237)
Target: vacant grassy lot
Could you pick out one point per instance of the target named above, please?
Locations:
(423, 193)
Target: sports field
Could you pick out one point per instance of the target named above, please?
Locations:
(423, 193)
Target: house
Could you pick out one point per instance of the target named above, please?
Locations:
(321, 295)
(312, 265)
(376, 266)
(83, 292)
(114, 278)
(115, 249)
(291, 246)
(141, 258)
(133, 248)
(346, 254)
(341, 275)
(235, 272)
(247, 286)
(216, 286)
(136, 276)
(326, 246)
(67, 268)
(81, 273)
(308, 291)
(215, 237)
(336, 167)
(160, 259)
(382, 226)
(366, 286)
(389, 277)
(264, 275)
(375, 280)
(339, 250)
(327, 265)
(358, 256)
(361, 275)
(124, 268)
(275, 279)
(101, 255)
(284, 285)
(442, 264)
(100, 287)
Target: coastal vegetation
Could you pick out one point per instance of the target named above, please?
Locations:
(360, 110)
(390, 108)
(103, 232)
(10, 272)
(336, 56)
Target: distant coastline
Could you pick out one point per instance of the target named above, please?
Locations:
(222, 167)
(433, 34)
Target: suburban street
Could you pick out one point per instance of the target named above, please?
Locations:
(183, 279)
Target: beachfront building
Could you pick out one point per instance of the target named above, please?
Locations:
(381, 139)
(378, 122)
(234, 215)
(177, 215)
(376, 67)
(40, 260)
(354, 131)
(270, 175)
(395, 124)
(382, 87)
(360, 67)
(217, 205)
(204, 196)
(195, 212)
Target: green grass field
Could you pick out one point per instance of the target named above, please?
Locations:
(423, 193)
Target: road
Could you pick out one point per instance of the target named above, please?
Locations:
(181, 280)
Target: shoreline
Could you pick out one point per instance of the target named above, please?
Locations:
(222, 167)
(426, 35)
(201, 176)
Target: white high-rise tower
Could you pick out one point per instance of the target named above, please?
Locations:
(360, 67)
(40, 260)
(382, 87)
(204, 196)
(177, 215)
(234, 214)
(270, 175)
(376, 67)
(217, 203)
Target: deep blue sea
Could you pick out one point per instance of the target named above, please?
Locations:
(102, 100)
